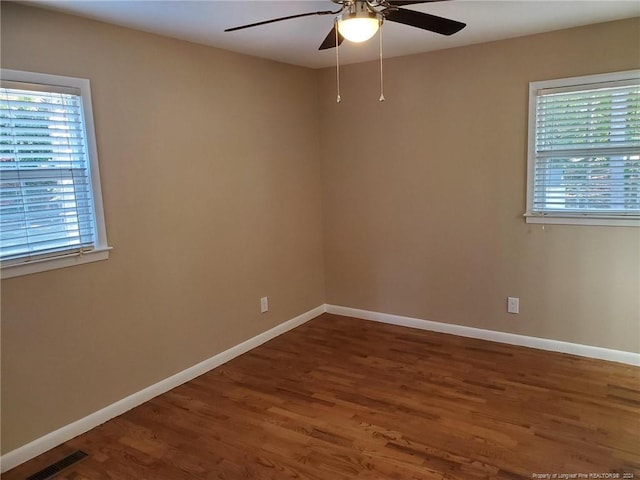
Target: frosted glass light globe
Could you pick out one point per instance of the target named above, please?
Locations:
(358, 27)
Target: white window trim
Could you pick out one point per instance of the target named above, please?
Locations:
(561, 218)
(101, 250)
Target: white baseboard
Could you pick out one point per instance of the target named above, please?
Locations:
(491, 335)
(57, 437)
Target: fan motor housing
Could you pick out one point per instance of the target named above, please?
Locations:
(359, 9)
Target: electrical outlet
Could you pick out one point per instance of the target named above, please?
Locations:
(513, 305)
(264, 304)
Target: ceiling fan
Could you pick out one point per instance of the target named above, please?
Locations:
(358, 20)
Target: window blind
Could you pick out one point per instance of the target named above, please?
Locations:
(587, 150)
(46, 205)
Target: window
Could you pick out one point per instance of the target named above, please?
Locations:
(50, 199)
(584, 150)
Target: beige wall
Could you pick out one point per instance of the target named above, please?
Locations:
(211, 183)
(213, 166)
(424, 194)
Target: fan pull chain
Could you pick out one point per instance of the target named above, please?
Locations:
(381, 99)
(335, 27)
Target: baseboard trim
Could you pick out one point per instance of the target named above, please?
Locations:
(33, 449)
(47, 442)
(601, 353)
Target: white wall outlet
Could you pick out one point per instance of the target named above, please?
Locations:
(264, 304)
(513, 305)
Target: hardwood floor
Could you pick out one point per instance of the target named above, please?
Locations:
(342, 398)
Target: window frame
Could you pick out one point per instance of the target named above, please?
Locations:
(574, 218)
(100, 249)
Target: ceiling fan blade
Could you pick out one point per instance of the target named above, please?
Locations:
(326, 12)
(425, 21)
(330, 40)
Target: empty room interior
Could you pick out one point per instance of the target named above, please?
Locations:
(228, 273)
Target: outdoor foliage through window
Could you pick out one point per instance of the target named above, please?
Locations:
(587, 150)
(45, 185)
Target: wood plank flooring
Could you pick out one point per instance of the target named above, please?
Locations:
(343, 398)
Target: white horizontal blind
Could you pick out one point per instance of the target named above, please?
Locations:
(587, 150)
(46, 206)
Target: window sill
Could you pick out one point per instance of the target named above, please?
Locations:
(62, 261)
(583, 220)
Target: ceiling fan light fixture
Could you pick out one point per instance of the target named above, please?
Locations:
(358, 26)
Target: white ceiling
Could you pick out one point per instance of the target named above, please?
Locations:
(296, 41)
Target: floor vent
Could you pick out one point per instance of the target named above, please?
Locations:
(57, 467)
